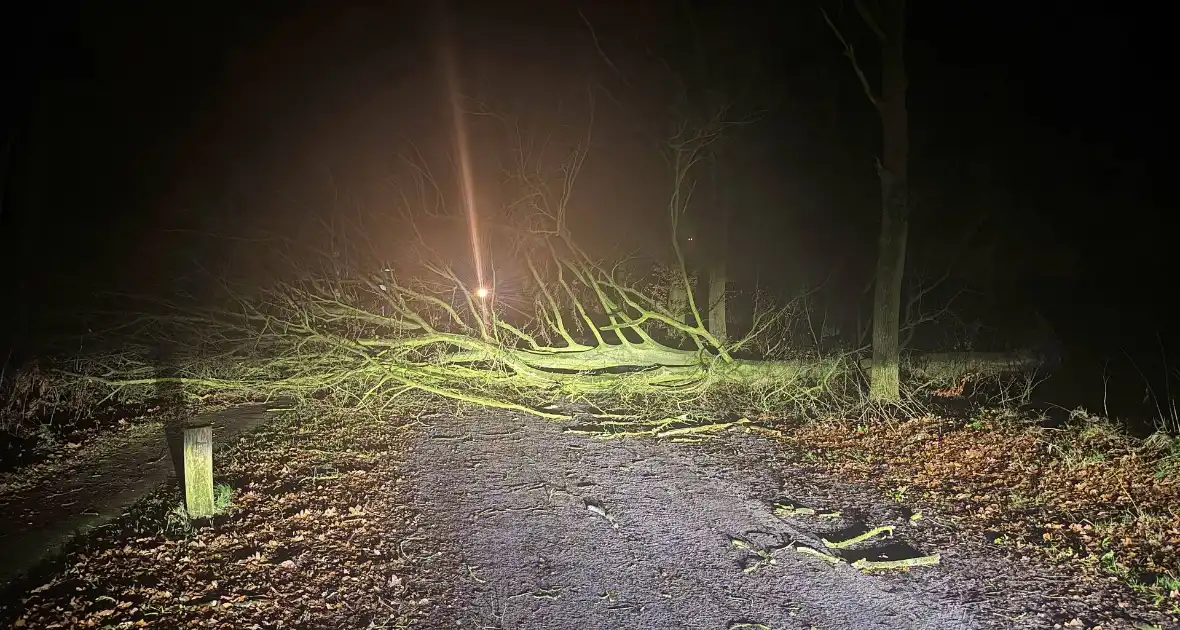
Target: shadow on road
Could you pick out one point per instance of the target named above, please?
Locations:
(174, 410)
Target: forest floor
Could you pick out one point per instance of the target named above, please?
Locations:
(90, 482)
(491, 520)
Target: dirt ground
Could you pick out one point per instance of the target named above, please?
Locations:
(500, 521)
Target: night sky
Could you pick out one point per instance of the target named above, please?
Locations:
(143, 139)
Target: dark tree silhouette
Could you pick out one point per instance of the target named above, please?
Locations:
(886, 19)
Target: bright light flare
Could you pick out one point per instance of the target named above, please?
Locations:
(463, 148)
(482, 292)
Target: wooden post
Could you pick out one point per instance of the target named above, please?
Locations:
(198, 471)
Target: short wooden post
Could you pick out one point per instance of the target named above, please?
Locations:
(198, 471)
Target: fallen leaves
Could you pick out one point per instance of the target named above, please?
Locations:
(300, 548)
(1083, 495)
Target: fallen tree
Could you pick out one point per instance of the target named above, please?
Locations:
(596, 339)
(369, 337)
(950, 366)
(372, 333)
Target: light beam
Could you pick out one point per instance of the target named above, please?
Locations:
(463, 148)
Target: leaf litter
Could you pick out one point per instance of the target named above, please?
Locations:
(1096, 505)
(315, 536)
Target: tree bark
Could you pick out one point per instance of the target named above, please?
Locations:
(718, 281)
(719, 265)
(893, 173)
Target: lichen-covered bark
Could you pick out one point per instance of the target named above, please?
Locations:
(893, 172)
(885, 376)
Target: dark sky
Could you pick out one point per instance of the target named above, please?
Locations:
(135, 130)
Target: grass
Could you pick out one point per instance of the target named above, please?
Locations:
(223, 498)
(1167, 449)
(178, 522)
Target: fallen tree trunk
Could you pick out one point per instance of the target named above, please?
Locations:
(950, 366)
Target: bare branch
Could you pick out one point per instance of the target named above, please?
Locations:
(869, 18)
(915, 315)
(601, 52)
(850, 52)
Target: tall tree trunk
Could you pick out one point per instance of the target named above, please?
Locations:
(678, 301)
(893, 172)
(718, 281)
(718, 265)
(887, 21)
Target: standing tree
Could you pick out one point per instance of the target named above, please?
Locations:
(719, 263)
(886, 19)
